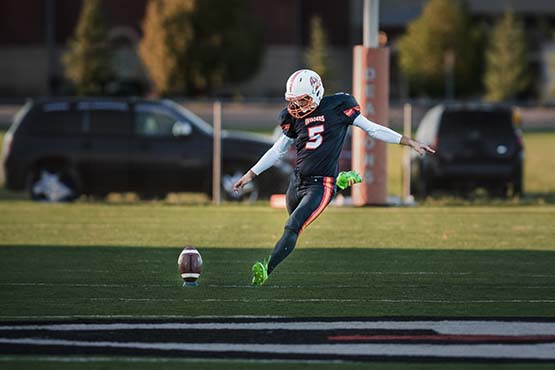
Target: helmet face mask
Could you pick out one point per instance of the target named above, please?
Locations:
(304, 90)
(301, 107)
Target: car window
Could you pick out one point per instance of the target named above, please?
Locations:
(106, 118)
(190, 117)
(459, 123)
(154, 121)
(57, 119)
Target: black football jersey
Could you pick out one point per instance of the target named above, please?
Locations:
(319, 136)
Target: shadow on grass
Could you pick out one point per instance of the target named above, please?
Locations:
(81, 281)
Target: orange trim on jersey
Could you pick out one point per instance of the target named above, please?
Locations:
(349, 112)
(328, 192)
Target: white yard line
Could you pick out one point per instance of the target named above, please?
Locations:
(88, 285)
(468, 327)
(306, 300)
(133, 317)
(544, 351)
(318, 300)
(242, 286)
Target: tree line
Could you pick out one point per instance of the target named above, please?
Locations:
(189, 47)
(196, 47)
(491, 62)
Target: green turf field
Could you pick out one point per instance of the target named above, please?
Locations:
(428, 261)
(56, 281)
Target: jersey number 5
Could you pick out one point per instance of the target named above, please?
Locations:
(314, 137)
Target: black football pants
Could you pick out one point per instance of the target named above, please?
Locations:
(306, 200)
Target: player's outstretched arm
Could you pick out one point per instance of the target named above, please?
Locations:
(389, 136)
(274, 154)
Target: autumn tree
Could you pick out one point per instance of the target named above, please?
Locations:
(317, 55)
(87, 61)
(198, 46)
(443, 32)
(506, 66)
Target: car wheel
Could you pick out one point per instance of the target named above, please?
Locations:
(54, 185)
(249, 192)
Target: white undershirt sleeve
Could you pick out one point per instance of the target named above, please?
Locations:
(274, 154)
(377, 131)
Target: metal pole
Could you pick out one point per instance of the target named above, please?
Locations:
(371, 15)
(407, 128)
(217, 154)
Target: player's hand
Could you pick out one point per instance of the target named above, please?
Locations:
(419, 147)
(243, 181)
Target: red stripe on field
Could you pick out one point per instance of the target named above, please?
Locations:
(446, 338)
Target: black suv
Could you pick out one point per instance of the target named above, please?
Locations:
(477, 146)
(58, 149)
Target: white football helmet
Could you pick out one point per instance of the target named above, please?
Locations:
(304, 90)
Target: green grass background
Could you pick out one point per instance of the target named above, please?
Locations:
(539, 178)
(240, 226)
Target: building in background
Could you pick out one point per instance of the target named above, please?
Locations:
(29, 67)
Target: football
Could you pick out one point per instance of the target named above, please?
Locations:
(190, 265)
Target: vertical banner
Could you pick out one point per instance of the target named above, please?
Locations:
(369, 156)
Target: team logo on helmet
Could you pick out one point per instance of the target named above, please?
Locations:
(315, 82)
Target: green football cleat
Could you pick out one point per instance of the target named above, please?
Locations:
(344, 177)
(259, 272)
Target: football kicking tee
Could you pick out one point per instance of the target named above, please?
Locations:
(317, 125)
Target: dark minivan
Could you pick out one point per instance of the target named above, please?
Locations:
(477, 146)
(58, 149)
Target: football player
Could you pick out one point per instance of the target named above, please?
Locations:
(317, 125)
